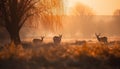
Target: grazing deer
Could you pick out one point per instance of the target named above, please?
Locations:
(80, 42)
(57, 39)
(37, 41)
(101, 39)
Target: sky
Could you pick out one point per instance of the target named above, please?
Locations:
(73, 27)
(100, 7)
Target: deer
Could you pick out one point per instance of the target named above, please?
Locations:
(57, 39)
(37, 41)
(101, 39)
(80, 42)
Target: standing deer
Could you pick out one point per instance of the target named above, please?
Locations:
(101, 39)
(37, 41)
(57, 39)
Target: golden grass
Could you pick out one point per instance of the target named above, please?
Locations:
(89, 55)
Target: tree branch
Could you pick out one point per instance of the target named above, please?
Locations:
(23, 21)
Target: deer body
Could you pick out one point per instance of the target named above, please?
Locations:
(57, 39)
(101, 39)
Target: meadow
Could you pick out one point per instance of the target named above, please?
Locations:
(64, 56)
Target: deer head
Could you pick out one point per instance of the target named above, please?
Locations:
(42, 37)
(60, 35)
(101, 39)
(98, 35)
(57, 39)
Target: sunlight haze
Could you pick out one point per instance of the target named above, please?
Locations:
(100, 7)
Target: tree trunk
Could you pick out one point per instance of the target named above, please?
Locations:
(15, 38)
(14, 35)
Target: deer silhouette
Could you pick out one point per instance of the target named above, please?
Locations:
(37, 41)
(101, 39)
(80, 42)
(57, 39)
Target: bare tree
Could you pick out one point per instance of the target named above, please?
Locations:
(116, 22)
(14, 14)
(82, 10)
(117, 12)
(84, 15)
(116, 15)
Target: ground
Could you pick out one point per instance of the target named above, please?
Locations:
(63, 56)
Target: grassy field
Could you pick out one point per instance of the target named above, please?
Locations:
(64, 56)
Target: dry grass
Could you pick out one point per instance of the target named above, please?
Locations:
(64, 56)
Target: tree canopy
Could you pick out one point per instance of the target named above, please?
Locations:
(15, 13)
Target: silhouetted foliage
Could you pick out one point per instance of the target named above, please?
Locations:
(116, 21)
(85, 15)
(51, 15)
(14, 13)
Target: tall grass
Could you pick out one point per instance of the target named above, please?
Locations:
(67, 56)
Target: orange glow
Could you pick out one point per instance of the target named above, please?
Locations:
(101, 7)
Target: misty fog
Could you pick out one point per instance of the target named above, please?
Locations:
(81, 24)
(74, 27)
